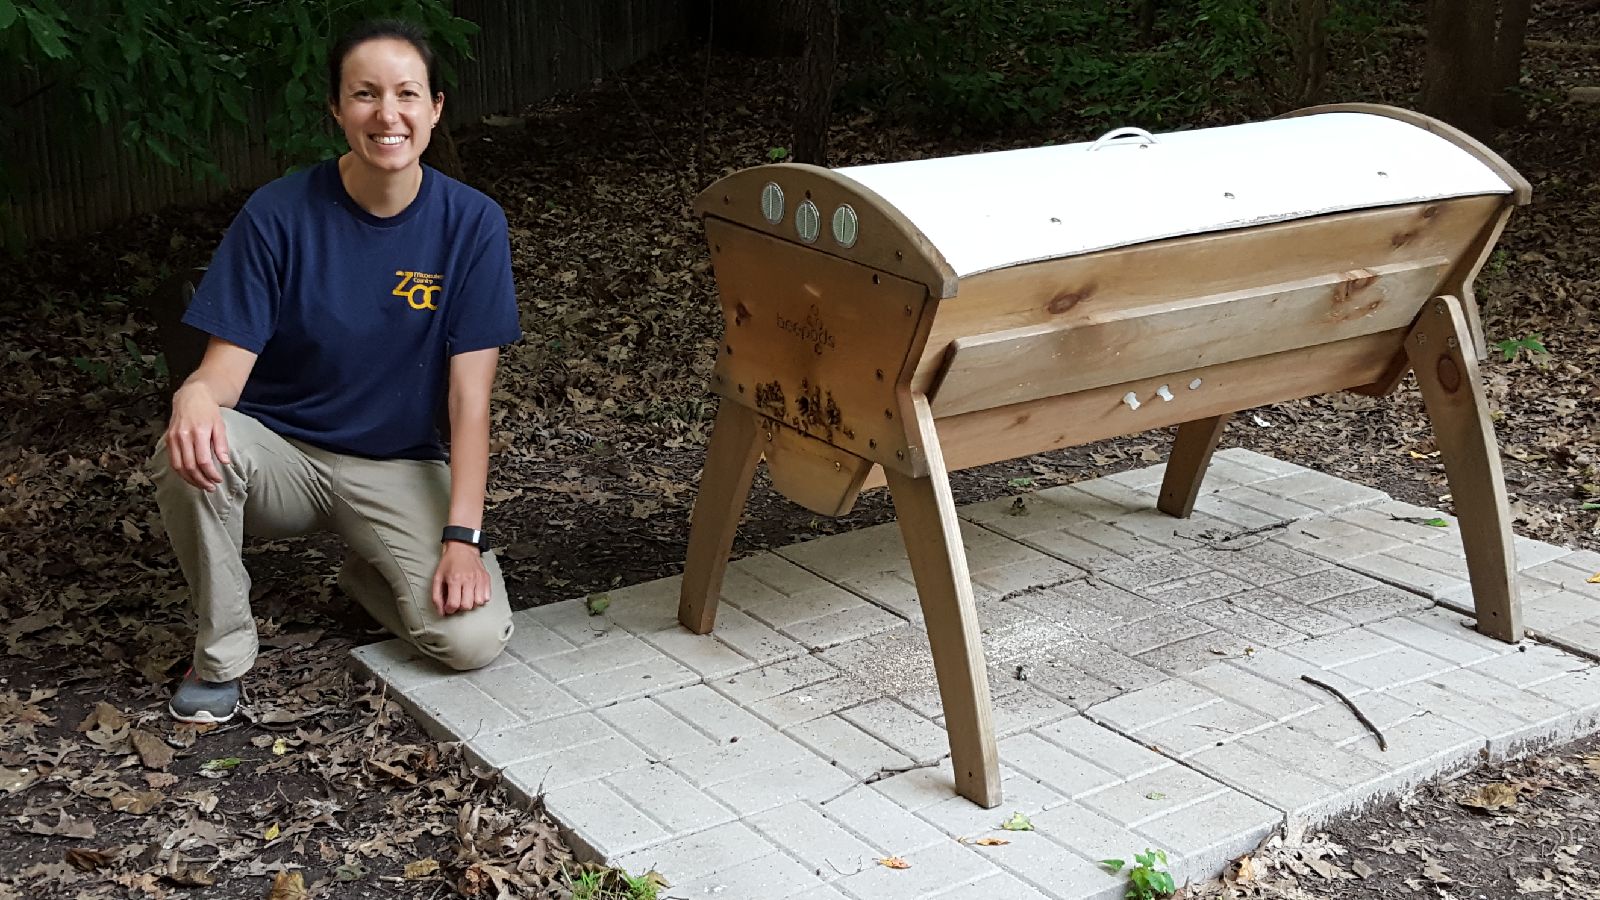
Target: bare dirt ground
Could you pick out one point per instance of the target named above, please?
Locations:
(326, 789)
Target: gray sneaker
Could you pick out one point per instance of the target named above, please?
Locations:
(204, 702)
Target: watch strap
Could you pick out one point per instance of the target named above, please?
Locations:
(465, 535)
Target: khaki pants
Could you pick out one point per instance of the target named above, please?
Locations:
(389, 513)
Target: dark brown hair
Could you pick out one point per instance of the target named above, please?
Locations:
(378, 29)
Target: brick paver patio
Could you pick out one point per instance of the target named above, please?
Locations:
(1146, 675)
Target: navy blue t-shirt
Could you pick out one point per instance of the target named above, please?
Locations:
(353, 317)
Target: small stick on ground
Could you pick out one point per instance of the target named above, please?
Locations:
(1383, 743)
(1222, 542)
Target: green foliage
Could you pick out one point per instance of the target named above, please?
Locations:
(777, 154)
(1532, 343)
(989, 64)
(169, 74)
(597, 883)
(1017, 822)
(126, 371)
(1146, 880)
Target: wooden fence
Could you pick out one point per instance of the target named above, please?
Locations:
(68, 184)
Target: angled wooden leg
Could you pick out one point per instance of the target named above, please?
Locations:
(927, 513)
(731, 457)
(1186, 467)
(1443, 355)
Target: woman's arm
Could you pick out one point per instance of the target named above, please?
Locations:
(461, 582)
(195, 433)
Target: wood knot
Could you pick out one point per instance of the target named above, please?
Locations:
(1449, 374)
(1066, 300)
(741, 313)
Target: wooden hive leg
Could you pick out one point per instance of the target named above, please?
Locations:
(1186, 468)
(927, 513)
(1442, 354)
(731, 458)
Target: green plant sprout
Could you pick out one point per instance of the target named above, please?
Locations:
(1533, 343)
(1146, 879)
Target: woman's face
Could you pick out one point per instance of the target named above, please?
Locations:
(384, 107)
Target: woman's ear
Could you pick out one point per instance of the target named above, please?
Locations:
(438, 106)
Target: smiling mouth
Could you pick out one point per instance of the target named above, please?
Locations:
(389, 140)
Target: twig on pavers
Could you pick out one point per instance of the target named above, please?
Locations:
(1221, 543)
(1383, 743)
(1034, 588)
(891, 771)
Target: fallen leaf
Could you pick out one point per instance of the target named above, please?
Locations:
(991, 842)
(1436, 873)
(104, 717)
(13, 780)
(219, 765)
(183, 875)
(1490, 797)
(89, 860)
(351, 871)
(1245, 871)
(136, 802)
(1362, 869)
(159, 780)
(280, 747)
(271, 834)
(1324, 868)
(1017, 822)
(422, 868)
(1595, 578)
(152, 750)
(894, 862)
(597, 603)
(65, 826)
(288, 886)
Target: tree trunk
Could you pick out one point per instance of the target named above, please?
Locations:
(1147, 21)
(442, 153)
(1457, 82)
(814, 96)
(1311, 51)
(1509, 108)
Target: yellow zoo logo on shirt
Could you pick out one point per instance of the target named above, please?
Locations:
(420, 289)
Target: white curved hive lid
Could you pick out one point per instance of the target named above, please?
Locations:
(993, 210)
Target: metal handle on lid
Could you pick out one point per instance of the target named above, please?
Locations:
(1117, 134)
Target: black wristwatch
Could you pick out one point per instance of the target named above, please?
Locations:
(462, 534)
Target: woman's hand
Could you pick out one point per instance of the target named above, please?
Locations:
(460, 582)
(196, 438)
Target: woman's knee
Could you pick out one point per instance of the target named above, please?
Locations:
(466, 645)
